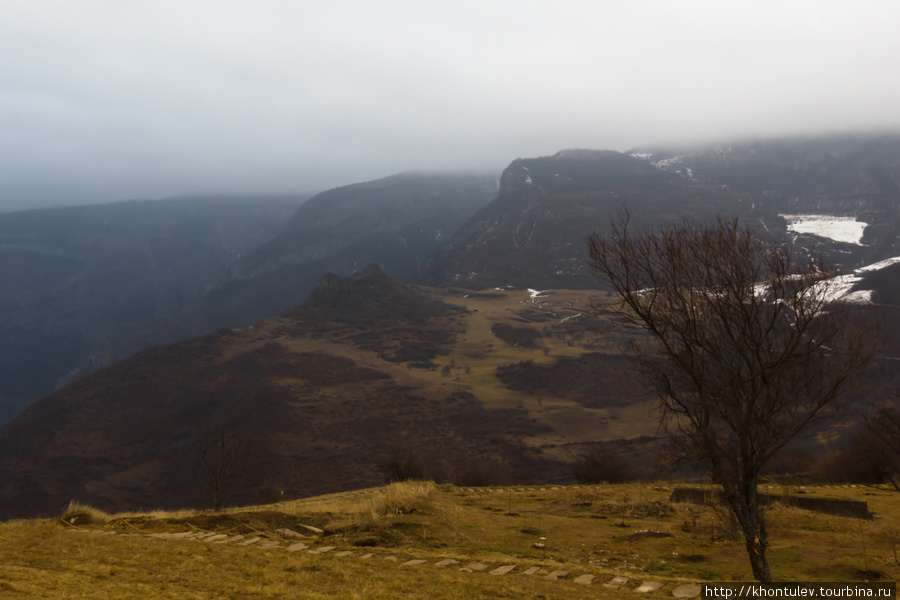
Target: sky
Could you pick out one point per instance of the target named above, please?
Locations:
(109, 100)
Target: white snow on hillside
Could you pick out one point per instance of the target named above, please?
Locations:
(840, 229)
(668, 163)
(845, 282)
(535, 294)
(879, 265)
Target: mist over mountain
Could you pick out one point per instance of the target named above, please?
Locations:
(77, 278)
(87, 286)
(533, 233)
(395, 221)
(399, 220)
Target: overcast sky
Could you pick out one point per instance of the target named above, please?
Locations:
(110, 100)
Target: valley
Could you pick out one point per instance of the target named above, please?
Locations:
(491, 367)
(458, 300)
(324, 387)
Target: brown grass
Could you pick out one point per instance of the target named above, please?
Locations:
(581, 527)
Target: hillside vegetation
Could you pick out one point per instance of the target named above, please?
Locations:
(324, 391)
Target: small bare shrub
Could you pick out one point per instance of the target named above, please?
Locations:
(480, 472)
(724, 522)
(601, 463)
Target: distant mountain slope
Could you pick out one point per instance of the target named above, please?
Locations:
(395, 222)
(76, 278)
(483, 387)
(855, 176)
(532, 234)
(321, 391)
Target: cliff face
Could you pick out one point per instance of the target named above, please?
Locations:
(395, 221)
(532, 234)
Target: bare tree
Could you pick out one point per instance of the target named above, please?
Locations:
(222, 461)
(744, 347)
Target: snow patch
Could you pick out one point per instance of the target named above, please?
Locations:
(840, 229)
(843, 283)
(839, 287)
(668, 162)
(641, 155)
(859, 297)
(879, 265)
(536, 294)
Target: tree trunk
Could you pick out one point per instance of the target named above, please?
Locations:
(756, 551)
(745, 503)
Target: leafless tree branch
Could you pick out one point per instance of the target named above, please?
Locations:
(744, 346)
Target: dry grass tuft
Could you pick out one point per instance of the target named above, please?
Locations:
(79, 514)
(398, 499)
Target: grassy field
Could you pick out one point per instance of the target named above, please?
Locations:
(626, 530)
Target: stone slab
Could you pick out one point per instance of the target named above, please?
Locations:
(215, 538)
(531, 570)
(272, 544)
(648, 587)
(557, 574)
(615, 583)
(688, 590)
(366, 556)
(315, 530)
(249, 541)
(447, 562)
(297, 547)
(343, 553)
(585, 579)
(391, 558)
(503, 570)
(413, 563)
(322, 550)
(236, 538)
(289, 534)
(475, 566)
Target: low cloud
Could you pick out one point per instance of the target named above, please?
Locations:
(102, 100)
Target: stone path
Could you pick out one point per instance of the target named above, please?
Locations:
(676, 590)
